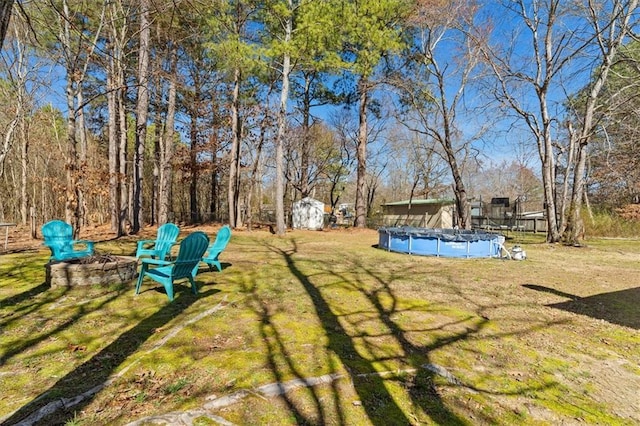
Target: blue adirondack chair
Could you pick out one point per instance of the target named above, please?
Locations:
(217, 247)
(58, 236)
(161, 246)
(167, 272)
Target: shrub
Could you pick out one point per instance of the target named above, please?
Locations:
(621, 222)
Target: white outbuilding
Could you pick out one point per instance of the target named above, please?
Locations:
(308, 214)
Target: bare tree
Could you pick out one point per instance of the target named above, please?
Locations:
(556, 58)
(528, 76)
(416, 168)
(342, 160)
(76, 51)
(21, 86)
(8, 132)
(257, 158)
(24, 104)
(614, 154)
(434, 88)
(611, 24)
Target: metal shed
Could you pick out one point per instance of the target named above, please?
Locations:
(308, 213)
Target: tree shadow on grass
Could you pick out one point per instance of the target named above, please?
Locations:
(349, 338)
(20, 250)
(381, 407)
(19, 306)
(77, 389)
(277, 351)
(617, 307)
(14, 275)
(36, 335)
(16, 299)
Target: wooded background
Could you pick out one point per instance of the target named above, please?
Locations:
(135, 113)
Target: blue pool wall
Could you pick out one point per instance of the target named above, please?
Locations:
(441, 242)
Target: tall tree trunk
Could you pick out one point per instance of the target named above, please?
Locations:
(361, 155)
(157, 144)
(213, 195)
(24, 162)
(157, 141)
(448, 117)
(5, 17)
(306, 124)
(194, 109)
(82, 133)
(114, 195)
(213, 188)
(166, 153)
(116, 96)
(117, 26)
(23, 133)
(71, 166)
(124, 216)
(545, 149)
(71, 199)
(462, 201)
(234, 155)
(142, 109)
(6, 143)
(548, 181)
(255, 177)
(571, 161)
(282, 126)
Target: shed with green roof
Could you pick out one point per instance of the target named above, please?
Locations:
(423, 213)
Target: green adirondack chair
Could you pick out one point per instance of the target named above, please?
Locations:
(161, 246)
(58, 236)
(167, 272)
(217, 247)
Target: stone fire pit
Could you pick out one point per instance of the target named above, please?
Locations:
(97, 269)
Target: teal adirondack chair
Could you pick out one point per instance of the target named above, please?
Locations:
(167, 272)
(217, 247)
(58, 236)
(161, 246)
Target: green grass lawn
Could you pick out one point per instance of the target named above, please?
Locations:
(354, 335)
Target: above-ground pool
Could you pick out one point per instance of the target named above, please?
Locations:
(441, 242)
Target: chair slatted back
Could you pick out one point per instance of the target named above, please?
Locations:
(167, 236)
(57, 233)
(191, 250)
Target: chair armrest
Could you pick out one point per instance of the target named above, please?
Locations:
(156, 262)
(142, 243)
(87, 243)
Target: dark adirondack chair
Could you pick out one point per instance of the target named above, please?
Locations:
(167, 272)
(58, 236)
